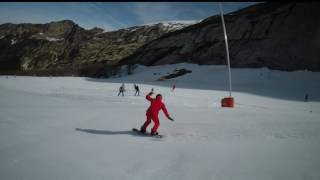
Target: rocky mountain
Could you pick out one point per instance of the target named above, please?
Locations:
(283, 36)
(65, 45)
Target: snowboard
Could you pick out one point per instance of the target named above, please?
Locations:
(147, 133)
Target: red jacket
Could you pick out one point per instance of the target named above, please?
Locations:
(156, 105)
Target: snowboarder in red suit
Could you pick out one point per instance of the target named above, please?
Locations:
(152, 113)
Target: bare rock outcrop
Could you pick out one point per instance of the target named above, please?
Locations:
(283, 36)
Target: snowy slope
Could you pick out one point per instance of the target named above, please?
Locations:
(78, 128)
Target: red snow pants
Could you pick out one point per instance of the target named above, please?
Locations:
(155, 119)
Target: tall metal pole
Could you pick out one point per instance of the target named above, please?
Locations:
(227, 49)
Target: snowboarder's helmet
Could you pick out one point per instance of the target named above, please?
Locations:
(159, 96)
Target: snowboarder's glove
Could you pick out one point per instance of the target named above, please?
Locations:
(150, 93)
(171, 118)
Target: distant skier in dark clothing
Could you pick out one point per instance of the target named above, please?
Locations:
(173, 87)
(152, 113)
(121, 90)
(136, 87)
(306, 98)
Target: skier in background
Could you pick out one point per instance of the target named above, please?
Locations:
(306, 98)
(153, 112)
(173, 87)
(136, 87)
(121, 90)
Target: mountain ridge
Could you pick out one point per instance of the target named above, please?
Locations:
(261, 35)
(282, 36)
(64, 44)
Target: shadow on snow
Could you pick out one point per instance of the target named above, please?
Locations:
(106, 132)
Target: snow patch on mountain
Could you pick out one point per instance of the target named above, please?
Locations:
(13, 41)
(53, 39)
(175, 25)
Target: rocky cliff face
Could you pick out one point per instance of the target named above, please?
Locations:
(28, 46)
(284, 36)
(64, 44)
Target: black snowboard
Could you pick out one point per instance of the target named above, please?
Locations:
(147, 133)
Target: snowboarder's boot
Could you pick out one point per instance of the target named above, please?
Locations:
(143, 130)
(154, 133)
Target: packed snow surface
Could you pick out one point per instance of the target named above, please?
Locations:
(78, 128)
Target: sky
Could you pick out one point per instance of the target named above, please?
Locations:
(112, 15)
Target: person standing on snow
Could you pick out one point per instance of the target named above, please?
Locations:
(306, 98)
(121, 89)
(136, 87)
(152, 113)
(173, 87)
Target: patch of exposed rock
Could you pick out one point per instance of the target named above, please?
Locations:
(283, 36)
